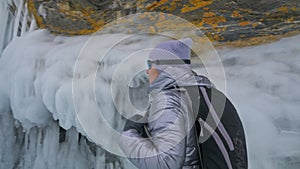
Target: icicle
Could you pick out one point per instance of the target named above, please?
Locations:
(33, 25)
(4, 18)
(42, 11)
(18, 19)
(26, 145)
(9, 29)
(24, 23)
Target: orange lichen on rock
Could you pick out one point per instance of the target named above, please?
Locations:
(209, 14)
(173, 5)
(255, 24)
(195, 4)
(247, 23)
(217, 38)
(155, 4)
(74, 14)
(211, 19)
(244, 23)
(218, 20)
(221, 29)
(236, 14)
(291, 19)
(284, 9)
(152, 29)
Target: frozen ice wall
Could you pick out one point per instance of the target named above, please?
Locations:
(38, 106)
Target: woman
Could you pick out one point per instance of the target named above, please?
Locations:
(168, 136)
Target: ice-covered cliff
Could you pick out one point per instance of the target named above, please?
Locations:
(50, 88)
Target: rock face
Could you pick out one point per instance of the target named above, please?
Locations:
(221, 20)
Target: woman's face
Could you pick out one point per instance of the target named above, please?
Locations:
(152, 74)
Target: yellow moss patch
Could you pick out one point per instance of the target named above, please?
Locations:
(244, 23)
(284, 9)
(217, 38)
(200, 24)
(291, 19)
(222, 29)
(212, 19)
(295, 9)
(209, 14)
(254, 24)
(152, 29)
(236, 14)
(173, 5)
(155, 4)
(195, 4)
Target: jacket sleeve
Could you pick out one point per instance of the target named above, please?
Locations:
(166, 146)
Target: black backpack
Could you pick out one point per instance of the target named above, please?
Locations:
(222, 143)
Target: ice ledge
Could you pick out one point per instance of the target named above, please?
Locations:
(42, 84)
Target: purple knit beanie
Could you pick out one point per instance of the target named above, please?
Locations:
(177, 51)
